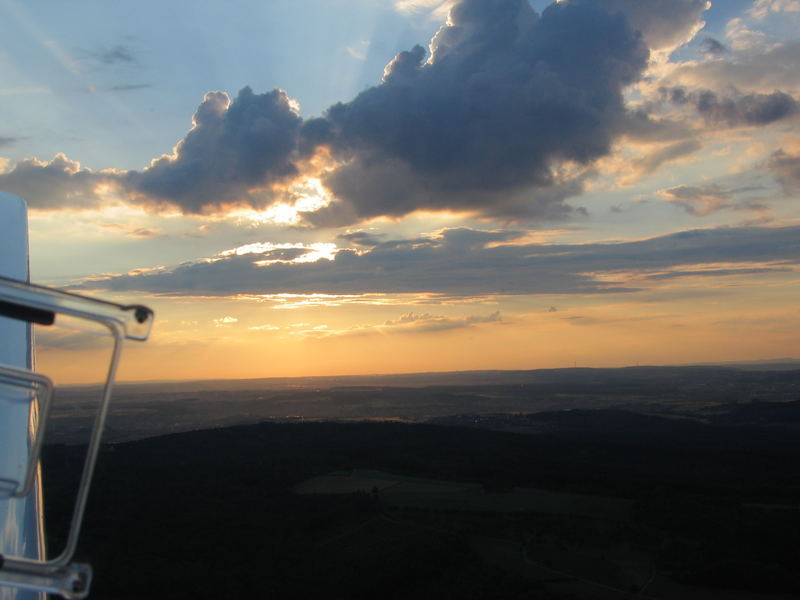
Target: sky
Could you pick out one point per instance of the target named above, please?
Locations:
(322, 187)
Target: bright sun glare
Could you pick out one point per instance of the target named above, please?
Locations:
(304, 196)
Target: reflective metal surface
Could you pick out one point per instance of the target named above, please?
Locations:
(21, 527)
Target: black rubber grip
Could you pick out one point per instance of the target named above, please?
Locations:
(26, 313)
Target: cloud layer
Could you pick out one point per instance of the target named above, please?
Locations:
(467, 262)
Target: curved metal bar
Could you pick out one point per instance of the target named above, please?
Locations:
(39, 410)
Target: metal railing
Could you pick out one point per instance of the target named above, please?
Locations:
(42, 305)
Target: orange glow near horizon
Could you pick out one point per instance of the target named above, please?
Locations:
(227, 338)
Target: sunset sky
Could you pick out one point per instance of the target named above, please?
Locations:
(318, 187)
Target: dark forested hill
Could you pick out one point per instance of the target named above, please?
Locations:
(213, 514)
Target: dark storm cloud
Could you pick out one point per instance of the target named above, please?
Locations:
(737, 108)
(233, 147)
(464, 262)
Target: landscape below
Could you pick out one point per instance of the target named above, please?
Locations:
(675, 482)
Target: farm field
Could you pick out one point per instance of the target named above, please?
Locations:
(413, 492)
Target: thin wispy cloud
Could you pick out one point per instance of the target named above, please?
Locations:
(131, 230)
(762, 8)
(8, 141)
(359, 50)
(433, 8)
(698, 200)
(114, 55)
(129, 87)
(408, 324)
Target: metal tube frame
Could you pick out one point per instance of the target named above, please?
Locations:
(59, 575)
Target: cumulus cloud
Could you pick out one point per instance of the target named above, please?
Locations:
(236, 150)
(52, 185)
(483, 124)
(503, 117)
(466, 262)
(233, 148)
